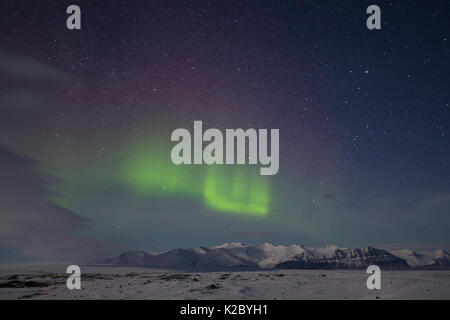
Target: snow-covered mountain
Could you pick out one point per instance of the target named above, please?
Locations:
(438, 259)
(236, 255)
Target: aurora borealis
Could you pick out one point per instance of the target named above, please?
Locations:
(86, 118)
(239, 190)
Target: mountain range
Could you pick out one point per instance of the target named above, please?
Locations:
(238, 256)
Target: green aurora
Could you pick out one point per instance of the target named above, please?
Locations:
(148, 171)
(230, 189)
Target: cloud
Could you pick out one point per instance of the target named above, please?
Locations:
(25, 67)
(22, 101)
(28, 97)
(31, 223)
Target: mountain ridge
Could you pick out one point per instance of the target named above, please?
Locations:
(239, 256)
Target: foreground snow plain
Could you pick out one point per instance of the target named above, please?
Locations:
(48, 281)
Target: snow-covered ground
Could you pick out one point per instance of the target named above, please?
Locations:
(48, 281)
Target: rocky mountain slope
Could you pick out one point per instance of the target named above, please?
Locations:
(236, 255)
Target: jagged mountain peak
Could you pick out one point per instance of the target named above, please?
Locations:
(237, 255)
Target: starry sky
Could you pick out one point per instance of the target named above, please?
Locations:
(86, 117)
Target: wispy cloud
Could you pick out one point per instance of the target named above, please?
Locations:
(31, 223)
(25, 67)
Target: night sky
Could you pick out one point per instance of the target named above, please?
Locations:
(86, 117)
